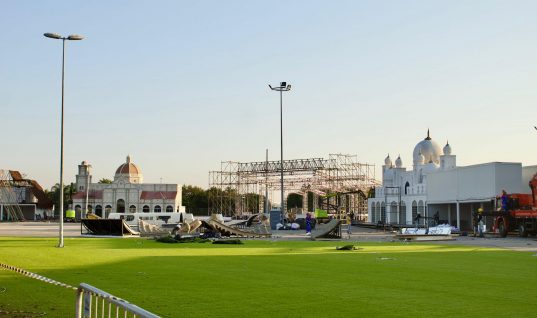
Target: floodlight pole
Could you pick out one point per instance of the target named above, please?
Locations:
(266, 184)
(282, 88)
(75, 38)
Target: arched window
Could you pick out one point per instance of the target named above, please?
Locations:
(414, 211)
(406, 187)
(402, 213)
(120, 206)
(383, 212)
(78, 208)
(373, 211)
(393, 212)
(377, 213)
(107, 210)
(157, 209)
(169, 208)
(146, 208)
(99, 210)
(421, 211)
(132, 209)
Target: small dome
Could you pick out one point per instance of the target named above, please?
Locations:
(419, 159)
(388, 161)
(429, 149)
(447, 149)
(398, 162)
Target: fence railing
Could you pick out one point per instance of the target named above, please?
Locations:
(92, 302)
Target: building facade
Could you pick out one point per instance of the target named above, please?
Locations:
(126, 193)
(436, 188)
(403, 194)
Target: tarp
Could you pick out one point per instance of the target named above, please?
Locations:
(112, 227)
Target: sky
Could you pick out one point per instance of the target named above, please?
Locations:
(181, 86)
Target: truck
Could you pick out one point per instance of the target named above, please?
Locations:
(521, 212)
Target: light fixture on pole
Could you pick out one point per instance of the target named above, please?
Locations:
(72, 37)
(284, 87)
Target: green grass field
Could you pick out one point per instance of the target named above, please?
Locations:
(274, 278)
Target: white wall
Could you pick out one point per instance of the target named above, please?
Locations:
(474, 183)
(527, 173)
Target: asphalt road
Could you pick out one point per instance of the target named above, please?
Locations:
(38, 229)
(51, 229)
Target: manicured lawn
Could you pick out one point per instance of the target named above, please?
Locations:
(274, 278)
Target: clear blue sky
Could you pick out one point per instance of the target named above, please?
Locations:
(182, 85)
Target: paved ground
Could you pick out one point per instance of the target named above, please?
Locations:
(38, 229)
(48, 229)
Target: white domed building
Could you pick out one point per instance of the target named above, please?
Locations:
(436, 186)
(126, 194)
(403, 194)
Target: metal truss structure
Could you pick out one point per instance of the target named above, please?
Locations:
(10, 195)
(340, 181)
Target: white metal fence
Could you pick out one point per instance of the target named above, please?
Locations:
(92, 302)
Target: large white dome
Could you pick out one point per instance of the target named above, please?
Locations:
(429, 149)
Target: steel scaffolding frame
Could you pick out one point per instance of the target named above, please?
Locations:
(340, 173)
(9, 199)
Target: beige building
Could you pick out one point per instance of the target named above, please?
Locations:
(127, 193)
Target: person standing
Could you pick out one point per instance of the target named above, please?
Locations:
(308, 223)
(480, 222)
(349, 226)
(477, 223)
(505, 200)
(474, 223)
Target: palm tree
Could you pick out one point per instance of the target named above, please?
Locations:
(54, 195)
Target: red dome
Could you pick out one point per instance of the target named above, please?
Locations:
(128, 168)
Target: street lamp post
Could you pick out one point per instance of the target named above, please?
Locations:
(73, 37)
(282, 88)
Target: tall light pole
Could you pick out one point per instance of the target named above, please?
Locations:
(282, 88)
(73, 37)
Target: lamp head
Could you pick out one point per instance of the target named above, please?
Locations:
(283, 84)
(53, 35)
(75, 37)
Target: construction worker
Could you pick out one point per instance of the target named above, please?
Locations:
(349, 226)
(480, 222)
(477, 223)
(308, 223)
(505, 201)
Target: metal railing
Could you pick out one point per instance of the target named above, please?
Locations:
(92, 302)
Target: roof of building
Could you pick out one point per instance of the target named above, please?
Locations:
(158, 195)
(93, 194)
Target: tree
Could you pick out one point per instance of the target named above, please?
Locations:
(105, 181)
(195, 199)
(54, 196)
(251, 203)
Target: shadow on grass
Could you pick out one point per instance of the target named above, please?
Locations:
(264, 278)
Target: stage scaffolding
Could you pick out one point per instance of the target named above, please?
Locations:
(10, 196)
(232, 186)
